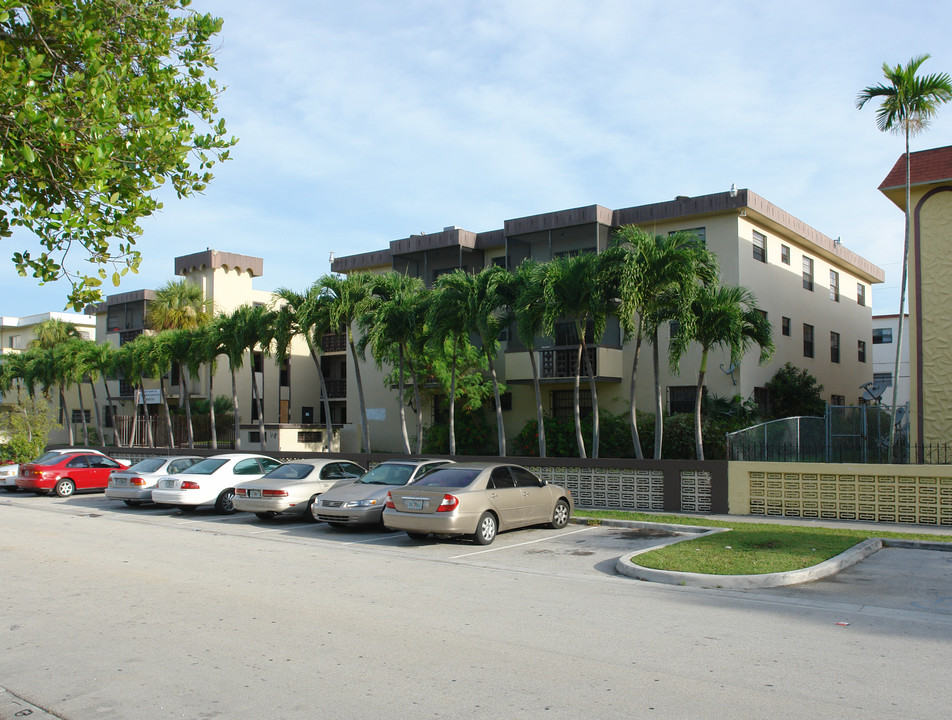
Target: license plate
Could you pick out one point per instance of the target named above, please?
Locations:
(168, 483)
(414, 504)
(254, 493)
(119, 482)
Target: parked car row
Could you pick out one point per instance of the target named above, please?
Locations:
(420, 496)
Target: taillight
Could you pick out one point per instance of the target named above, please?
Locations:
(137, 481)
(241, 492)
(448, 504)
(389, 503)
(274, 493)
(189, 485)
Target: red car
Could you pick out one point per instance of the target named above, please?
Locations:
(66, 473)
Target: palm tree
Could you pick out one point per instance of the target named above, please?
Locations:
(52, 332)
(726, 316)
(304, 314)
(392, 319)
(206, 347)
(529, 310)
(180, 305)
(346, 299)
(449, 319)
(909, 102)
(136, 359)
(99, 360)
(231, 336)
(161, 354)
(242, 332)
(573, 290)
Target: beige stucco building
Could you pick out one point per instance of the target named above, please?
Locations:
(816, 292)
(930, 297)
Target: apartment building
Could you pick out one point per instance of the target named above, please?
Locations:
(885, 336)
(816, 292)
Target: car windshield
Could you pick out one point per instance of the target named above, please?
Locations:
(45, 458)
(385, 474)
(291, 471)
(205, 467)
(448, 477)
(148, 465)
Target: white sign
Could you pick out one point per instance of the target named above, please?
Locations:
(377, 414)
(153, 396)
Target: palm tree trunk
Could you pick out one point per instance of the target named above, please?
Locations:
(500, 429)
(403, 410)
(659, 405)
(698, 436)
(82, 413)
(578, 412)
(453, 402)
(168, 413)
(99, 428)
(211, 408)
(256, 399)
(365, 429)
(592, 390)
(419, 410)
(633, 413)
(183, 385)
(67, 420)
(112, 410)
(540, 419)
(150, 440)
(902, 304)
(324, 395)
(234, 404)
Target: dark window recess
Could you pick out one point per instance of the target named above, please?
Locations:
(860, 294)
(258, 362)
(78, 418)
(808, 274)
(785, 326)
(861, 351)
(807, 340)
(285, 374)
(254, 436)
(505, 400)
(785, 254)
(885, 379)
(699, 233)
(307, 415)
(760, 247)
(681, 398)
(838, 400)
(310, 436)
(254, 410)
(882, 336)
(563, 404)
(834, 347)
(762, 398)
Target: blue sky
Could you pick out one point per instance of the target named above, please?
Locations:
(368, 121)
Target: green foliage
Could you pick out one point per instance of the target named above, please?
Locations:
(27, 428)
(474, 436)
(794, 392)
(222, 405)
(100, 104)
(560, 435)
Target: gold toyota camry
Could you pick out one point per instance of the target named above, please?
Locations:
(477, 500)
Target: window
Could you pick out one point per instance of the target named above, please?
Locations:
(762, 313)
(78, 416)
(785, 326)
(563, 404)
(807, 273)
(307, 415)
(699, 233)
(681, 398)
(860, 294)
(785, 254)
(760, 247)
(882, 336)
(834, 286)
(577, 251)
(807, 340)
(834, 347)
(861, 351)
(762, 398)
(674, 327)
(285, 374)
(838, 400)
(883, 379)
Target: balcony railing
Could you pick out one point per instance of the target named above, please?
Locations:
(560, 362)
(336, 388)
(334, 342)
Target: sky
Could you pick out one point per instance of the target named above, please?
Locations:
(371, 120)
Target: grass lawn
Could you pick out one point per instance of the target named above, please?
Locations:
(749, 548)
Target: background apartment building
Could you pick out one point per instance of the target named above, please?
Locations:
(815, 291)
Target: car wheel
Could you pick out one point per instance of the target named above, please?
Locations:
(560, 515)
(417, 536)
(132, 503)
(486, 529)
(224, 504)
(11, 488)
(309, 512)
(65, 488)
(265, 515)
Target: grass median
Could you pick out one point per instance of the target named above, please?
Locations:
(749, 548)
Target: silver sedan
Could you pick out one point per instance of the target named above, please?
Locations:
(134, 485)
(292, 488)
(478, 500)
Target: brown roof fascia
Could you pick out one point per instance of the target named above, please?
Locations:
(214, 259)
(586, 215)
(350, 263)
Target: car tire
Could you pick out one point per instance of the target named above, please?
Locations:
(309, 512)
(11, 488)
(265, 515)
(560, 515)
(64, 488)
(486, 529)
(417, 535)
(225, 502)
(132, 503)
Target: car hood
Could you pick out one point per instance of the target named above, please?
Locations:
(358, 491)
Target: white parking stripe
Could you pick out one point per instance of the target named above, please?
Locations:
(530, 542)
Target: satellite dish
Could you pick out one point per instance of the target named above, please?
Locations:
(730, 371)
(873, 391)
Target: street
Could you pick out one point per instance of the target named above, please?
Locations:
(116, 612)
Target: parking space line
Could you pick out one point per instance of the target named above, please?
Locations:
(529, 542)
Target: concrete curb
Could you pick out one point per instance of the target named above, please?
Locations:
(739, 582)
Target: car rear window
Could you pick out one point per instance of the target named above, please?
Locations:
(204, 467)
(148, 465)
(291, 471)
(448, 477)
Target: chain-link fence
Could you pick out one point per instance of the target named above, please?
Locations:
(858, 434)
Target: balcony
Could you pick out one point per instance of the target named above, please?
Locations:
(557, 364)
(560, 362)
(336, 389)
(333, 343)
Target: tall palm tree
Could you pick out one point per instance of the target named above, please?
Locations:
(180, 305)
(346, 299)
(304, 314)
(99, 363)
(726, 316)
(206, 347)
(391, 321)
(573, 290)
(909, 102)
(529, 311)
(52, 332)
(161, 354)
(245, 329)
(231, 331)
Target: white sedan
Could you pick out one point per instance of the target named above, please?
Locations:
(292, 488)
(211, 481)
(134, 485)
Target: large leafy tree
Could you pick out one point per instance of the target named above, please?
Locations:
(908, 102)
(726, 316)
(101, 103)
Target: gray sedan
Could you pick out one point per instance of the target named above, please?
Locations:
(476, 499)
(361, 502)
(292, 488)
(134, 485)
